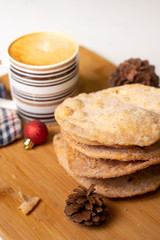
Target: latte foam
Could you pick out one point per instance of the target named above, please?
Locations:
(43, 48)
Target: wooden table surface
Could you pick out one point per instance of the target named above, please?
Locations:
(37, 173)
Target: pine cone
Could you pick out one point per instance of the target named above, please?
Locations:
(86, 207)
(134, 71)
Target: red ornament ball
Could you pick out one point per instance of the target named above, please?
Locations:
(36, 131)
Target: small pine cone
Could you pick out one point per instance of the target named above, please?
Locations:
(134, 71)
(86, 207)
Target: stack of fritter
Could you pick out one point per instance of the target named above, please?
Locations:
(112, 138)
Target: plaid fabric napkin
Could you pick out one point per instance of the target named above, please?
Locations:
(10, 124)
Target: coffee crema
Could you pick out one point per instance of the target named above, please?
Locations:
(43, 48)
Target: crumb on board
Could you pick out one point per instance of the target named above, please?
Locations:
(125, 209)
(28, 202)
(14, 176)
(4, 178)
(144, 233)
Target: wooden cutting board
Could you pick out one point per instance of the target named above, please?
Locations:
(37, 173)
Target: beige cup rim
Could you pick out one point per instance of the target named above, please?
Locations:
(45, 67)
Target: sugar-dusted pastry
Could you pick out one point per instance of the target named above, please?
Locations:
(133, 153)
(124, 116)
(140, 182)
(28, 203)
(85, 166)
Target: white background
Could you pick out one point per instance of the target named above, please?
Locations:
(115, 29)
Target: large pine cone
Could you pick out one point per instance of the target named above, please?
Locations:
(134, 71)
(86, 207)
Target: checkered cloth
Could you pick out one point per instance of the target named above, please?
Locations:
(10, 124)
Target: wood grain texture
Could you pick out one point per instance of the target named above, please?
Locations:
(37, 173)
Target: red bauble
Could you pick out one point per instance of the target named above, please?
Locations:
(36, 131)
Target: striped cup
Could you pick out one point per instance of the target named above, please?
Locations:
(43, 72)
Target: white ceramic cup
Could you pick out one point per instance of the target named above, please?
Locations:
(38, 89)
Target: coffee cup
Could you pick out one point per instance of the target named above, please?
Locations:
(43, 71)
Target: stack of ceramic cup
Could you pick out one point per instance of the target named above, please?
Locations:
(39, 80)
